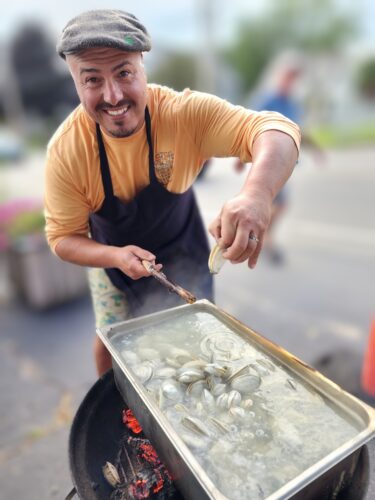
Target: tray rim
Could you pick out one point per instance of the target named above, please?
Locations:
(292, 362)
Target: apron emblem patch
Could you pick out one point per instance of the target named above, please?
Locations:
(164, 166)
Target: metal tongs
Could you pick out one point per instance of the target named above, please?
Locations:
(172, 287)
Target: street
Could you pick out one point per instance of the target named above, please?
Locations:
(318, 305)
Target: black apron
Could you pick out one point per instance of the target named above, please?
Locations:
(167, 224)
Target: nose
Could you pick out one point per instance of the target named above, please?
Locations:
(112, 93)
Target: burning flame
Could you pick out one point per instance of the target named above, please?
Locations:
(139, 489)
(131, 422)
(148, 453)
(149, 473)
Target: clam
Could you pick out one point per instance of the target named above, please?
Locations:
(180, 356)
(195, 425)
(218, 424)
(237, 411)
(189, 375)
(195, 363)
(234, 398)
(153, 385)
(195, 389)
(148, 353)
(216, 259)
(111, 474)
(246, 383)
(245, 380)
(199, 409)
(207, 398)
(222, 401)
(193, 441)
(172, 362)
(129, 357)
(165, 372)
(263, 367)
(143, 372)
(169, 391)
(215, 369)
(181, 408)
(218, 389)
(212, 381)
(237, 372)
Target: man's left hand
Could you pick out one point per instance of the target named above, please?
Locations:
(241, 225)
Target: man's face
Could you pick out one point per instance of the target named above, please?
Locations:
(112, 87)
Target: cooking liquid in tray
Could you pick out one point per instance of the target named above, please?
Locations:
(252, 430)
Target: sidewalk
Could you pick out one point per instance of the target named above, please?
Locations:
(46, 363)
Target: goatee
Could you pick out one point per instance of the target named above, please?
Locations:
(121, 132)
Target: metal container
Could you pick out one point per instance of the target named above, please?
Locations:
(336, 467)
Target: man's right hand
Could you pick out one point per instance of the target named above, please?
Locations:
(84, 251)
(130, 261)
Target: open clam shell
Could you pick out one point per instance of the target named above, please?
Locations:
(111, 474)
(216, 259)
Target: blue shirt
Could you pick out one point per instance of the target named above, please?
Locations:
(282, 104)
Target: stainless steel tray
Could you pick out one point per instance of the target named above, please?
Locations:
(187, 472)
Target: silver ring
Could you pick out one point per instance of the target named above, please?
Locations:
(254, 238)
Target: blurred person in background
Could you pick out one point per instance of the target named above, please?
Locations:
(120, 168)
(277, 93)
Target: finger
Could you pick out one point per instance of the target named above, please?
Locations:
(244, 256)
(215, 228)
(251, 249)
(228, 231)
(253, 259)
(239, 250)
(144, 254)
(135, 269)
(150, 265)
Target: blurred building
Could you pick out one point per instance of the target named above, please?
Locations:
(34, 92)
(328, 89)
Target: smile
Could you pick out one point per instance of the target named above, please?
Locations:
(117, 112)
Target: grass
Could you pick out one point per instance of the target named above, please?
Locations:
(328, 136)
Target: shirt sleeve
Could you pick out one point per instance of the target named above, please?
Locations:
(66, 208)
(221, 129)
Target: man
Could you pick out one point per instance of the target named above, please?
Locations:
(278, 95)
(120, 168)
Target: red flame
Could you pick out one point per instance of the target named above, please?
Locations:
(159, 481)
(131, 422)
(153, 476)
(148, 453)
(139, 489)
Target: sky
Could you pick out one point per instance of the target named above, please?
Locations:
(168, 21)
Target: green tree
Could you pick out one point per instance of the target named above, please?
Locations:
(366, 78)
(178, 72)
(310, 25)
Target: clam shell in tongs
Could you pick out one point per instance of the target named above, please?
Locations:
(216, 259)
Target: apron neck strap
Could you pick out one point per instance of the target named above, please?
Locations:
(104, 166)
(151, 167)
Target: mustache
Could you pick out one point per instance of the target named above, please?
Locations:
(105, 105)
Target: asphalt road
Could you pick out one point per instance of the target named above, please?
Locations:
(319, 305)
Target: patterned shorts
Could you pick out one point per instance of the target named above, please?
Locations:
(109, 303)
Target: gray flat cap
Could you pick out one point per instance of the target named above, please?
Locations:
(103, 28)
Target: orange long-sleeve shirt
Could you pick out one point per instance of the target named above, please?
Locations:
(187, 128)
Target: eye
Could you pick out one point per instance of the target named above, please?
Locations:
(124, 73)
(93, 80)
